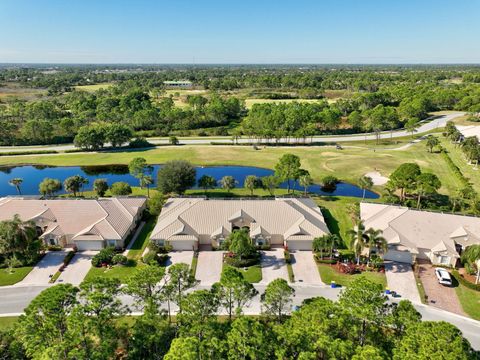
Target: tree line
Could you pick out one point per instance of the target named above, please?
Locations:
(90, 322)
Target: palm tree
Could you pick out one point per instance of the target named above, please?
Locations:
(320, 244)
(377, 241)
(305, 180)
(16, 182)
(472, 255)
(365, 183)
(359, 239)
(146, 181)
(334, 241)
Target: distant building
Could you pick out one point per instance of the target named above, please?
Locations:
(186, 223)
(469, 131)
(413, 234)
(88, 224)
(183, 84)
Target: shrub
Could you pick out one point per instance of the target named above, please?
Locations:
(139, 142)
(120, 188)
(464, 281)
(345, 254)
(103, 257)
(263, 247)
(288, 257)
(235, 261)
(329, 183)
(150, 257)
(54, 247)
(319, 260)
(162, 259)
(119, 259)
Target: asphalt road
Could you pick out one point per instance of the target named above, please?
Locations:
(13, 299)
(426, 125)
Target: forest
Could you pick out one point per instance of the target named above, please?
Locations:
(48, 104)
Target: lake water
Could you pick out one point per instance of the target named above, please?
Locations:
(33, 175)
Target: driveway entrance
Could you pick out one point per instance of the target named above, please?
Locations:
(209, 267)
(46, 267)
(78, 268)
(400, 278)
(273, 266)
(304, 268)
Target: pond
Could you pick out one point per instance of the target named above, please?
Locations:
(33, 175)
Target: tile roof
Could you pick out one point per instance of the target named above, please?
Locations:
(212, 217)
(107, 218)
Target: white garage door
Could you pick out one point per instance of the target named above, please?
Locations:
(182, 245)
(89, 245)
(299, 245)
(399, 256)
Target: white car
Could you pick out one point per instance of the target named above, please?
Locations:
(443, 276)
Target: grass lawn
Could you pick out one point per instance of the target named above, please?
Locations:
(7, 278)
(253, 274)
(470, 300)
(7, 322)
(456, 154)
(335, 212)
(193, 266)
(134, 257)
(328, 273)
(142, 240)
(348, 164)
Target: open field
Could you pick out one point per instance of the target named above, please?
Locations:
(348, 164)
(93, 87)
(16, 91)
(18, 274)
(185, 92)
(250, 102)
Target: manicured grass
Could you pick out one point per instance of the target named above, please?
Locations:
(291, 275)
(420, 288)
(7, 322)
(7, 278)
(142, 240)
(252, 274)
(122, 272)
(457, 156)
(336, 214)
(193, 266)
(329, 274)
(348, 164)
(470, 300)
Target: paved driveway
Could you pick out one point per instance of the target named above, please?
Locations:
(443, 297)
(78, 268)
(48, 265)
(209, 267)
(400, 278)
(304, 268)
(177, 257)
(273, 266)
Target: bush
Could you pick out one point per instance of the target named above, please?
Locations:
(464, 281)
(345, 254)
(263, 247)
(153, 247)
(162, 259)
(103, 257)
(470, 269)
(54, 247)
(150, 257)
(329, 183)
(244, 262)
(140, 142)
(120, 188)
(319, 260)
(119, 259)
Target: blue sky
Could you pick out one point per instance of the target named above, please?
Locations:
(233, 31)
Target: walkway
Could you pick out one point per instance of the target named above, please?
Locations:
(134, 238)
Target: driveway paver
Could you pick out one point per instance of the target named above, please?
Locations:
(440, 296)
(48, 265)
(304, 268)
(177, 257)
(400, 278)
(209, 267)
(273, 266)
(77, 269)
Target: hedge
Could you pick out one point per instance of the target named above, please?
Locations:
(454, 168)
(245, 262)
(32, 152)
(465, 282)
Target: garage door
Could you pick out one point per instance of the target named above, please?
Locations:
(300, 245)
(399, 256)
(89, 245)
(182, 245)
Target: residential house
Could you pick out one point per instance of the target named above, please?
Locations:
(187, 223)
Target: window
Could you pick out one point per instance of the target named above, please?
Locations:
(52, 241)
(111, 243)
(444, 260)
(221, 240)
(161, 242)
